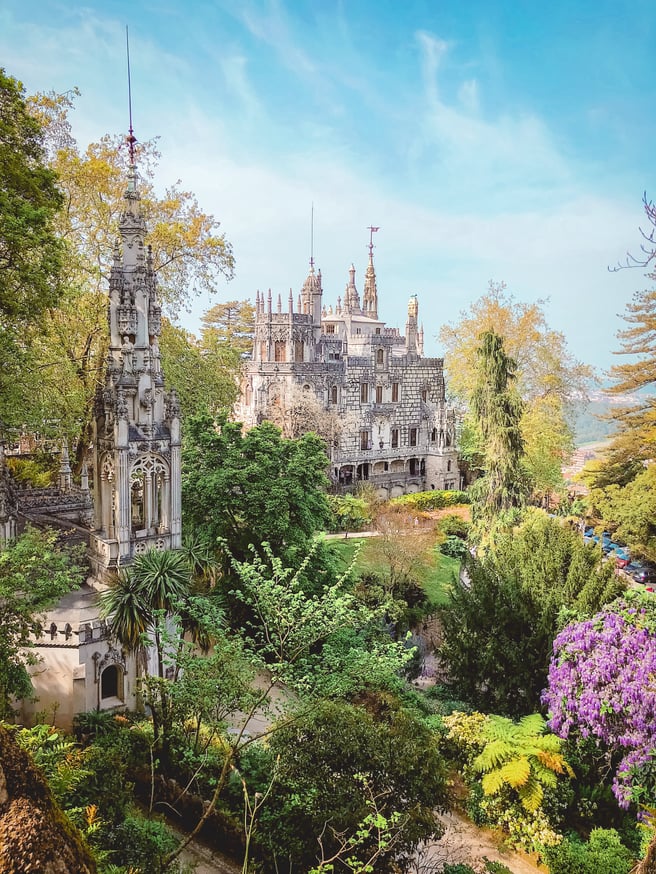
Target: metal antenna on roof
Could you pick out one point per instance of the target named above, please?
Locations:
(131, 139)
(372, 231)
(312, 236)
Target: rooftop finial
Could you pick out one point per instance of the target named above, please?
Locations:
(131, 139)
(372, 230)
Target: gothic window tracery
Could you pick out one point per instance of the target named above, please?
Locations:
(149, 484)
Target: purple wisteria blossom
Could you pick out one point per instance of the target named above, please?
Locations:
(602, 683)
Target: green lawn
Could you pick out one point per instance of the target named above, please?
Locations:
(436, 575)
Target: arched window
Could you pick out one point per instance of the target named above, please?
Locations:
(109, 682)
(333, 395)
(380, 356)
(448, 465)
(299, 350)
(137, 503)
(149, 494)
(280, 348)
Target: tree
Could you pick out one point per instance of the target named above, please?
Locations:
(31, 255)
(230, 324)
(628, 509)
(34, 574)
(297, 411)
(544, 366)
(601, 686)
(205, 375)
(288, 646)
(506, 611)
(634, 440)
(330, 761)
(152, 589)
(244, 488)
(549, 379)
(497, 410)
(402, 549)
(190, 257)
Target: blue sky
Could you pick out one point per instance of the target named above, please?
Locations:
(509, 141)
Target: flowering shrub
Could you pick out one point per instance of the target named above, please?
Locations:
(602, 684)
(527, 831)
(465, 732)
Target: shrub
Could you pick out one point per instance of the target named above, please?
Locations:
(39, 472)
(453, 547)
(140, 842)
(454, 526)
(496, 867)
(604, 853)
(460, 868)
(435, 500)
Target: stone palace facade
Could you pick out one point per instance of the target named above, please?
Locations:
(392, 427)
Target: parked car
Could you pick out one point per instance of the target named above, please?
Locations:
(642, 572)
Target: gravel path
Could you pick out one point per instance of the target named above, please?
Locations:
(464, 842)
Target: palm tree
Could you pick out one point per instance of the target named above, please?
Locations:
(129, 614)
(156, 585)
(163, 580)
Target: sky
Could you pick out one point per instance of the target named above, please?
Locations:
(488, 140)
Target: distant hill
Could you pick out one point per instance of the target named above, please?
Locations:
(590, 426)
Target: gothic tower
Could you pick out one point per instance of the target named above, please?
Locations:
(136, 446)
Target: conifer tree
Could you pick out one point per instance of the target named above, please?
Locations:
(498, 409)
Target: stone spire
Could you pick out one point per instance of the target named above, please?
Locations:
(351, 296)
(137, 424)
(311, 298)
(370, 296)
(65, 473)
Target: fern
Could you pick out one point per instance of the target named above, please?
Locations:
(531, 795)
(516, 772)
(520, 756)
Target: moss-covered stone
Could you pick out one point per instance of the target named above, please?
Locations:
(35, 836)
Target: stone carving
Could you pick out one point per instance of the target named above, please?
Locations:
(127, 355)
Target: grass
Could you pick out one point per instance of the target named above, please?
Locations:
(436, 574)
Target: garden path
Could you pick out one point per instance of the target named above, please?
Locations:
(465, 842)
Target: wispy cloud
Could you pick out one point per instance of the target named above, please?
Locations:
(282, 112)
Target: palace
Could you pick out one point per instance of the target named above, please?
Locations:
(385, 417)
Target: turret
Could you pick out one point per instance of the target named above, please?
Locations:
(351, 296)
(411, 328)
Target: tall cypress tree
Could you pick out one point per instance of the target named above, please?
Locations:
(498, 408)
